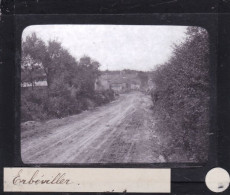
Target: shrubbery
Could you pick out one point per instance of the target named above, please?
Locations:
(181, 98)
(70, 83)
(35, 104)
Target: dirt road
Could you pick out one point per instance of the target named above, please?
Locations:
(119, 132)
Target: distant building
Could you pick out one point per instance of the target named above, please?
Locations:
(119, 81)
(36, 84)
(119, 87)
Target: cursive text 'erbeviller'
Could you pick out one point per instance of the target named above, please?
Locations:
(37, 178)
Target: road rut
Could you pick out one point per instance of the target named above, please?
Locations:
(119, 132)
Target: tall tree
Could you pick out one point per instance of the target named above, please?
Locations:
(183, 88)
(88, 72)
(33, 54)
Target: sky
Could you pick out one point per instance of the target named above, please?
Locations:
(116, 47)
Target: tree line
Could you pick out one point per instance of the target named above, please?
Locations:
(181, 99)
(70, 82)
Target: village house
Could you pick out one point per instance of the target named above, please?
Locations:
(119, 87)
(36, 84)
(104, 84)
(120, 82)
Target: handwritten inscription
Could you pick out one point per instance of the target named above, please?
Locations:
(35, 179)
(38, 178)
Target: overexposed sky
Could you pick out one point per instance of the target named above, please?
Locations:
(118, 47)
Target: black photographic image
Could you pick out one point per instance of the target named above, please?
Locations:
(114, 94)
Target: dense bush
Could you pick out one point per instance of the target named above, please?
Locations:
(181, 98)
(36, 105)
(104, 97)
(70, 82)
(33, 104)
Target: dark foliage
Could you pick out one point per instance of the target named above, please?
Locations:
(70, 83)
(181, 98)
(36, 105)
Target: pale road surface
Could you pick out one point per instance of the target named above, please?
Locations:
(119, 132)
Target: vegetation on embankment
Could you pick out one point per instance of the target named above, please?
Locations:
(70, 83)
(181, 99)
